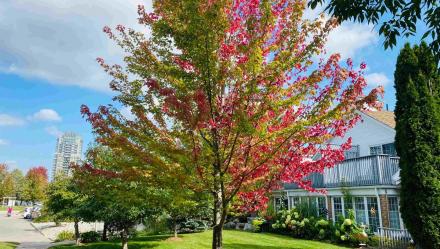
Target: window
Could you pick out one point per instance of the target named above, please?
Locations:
(337, 206)
(393, 212)
(353, 152)
(305, 200)
(280, 203)
(348, 204)
(360, 210)
(387, 149)
(294, 201)
(322, 209)
(373, 213)
(375, 150)
(313, 202)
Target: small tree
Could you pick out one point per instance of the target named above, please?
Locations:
(417, 85)
(65, 201)
(183, 204)
(227, 97)
(118, 200)
(35, 184)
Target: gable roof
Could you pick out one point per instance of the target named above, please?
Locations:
(385, 117)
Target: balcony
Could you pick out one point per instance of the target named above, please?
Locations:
(360, 171)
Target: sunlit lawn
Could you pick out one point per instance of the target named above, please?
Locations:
(7, 245)
(232, 240)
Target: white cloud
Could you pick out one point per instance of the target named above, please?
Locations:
(54, 131)
(3, 142)
(59, 40)
(8, 120)
(46, 115)
(347, 39)
(350, 38)
(377, 79)
(126, 112)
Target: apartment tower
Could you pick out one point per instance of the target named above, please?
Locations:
(68, 150)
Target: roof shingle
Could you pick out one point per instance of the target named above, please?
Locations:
(385, 117)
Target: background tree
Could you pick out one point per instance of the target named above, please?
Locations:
(418, 142)
(401, 17)
(8, 186)
(227, 98)
(65, 201)
(18, 177)
(35, 184)
(183, 204)
(120, 201)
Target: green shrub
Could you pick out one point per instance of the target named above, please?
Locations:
(256, 223)
(65, 235)
(89, 237)
(373, 241)
(192, 226)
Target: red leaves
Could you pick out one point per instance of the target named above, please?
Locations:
(37, 172)
(252, 104)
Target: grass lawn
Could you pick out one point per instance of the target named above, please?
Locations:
(8, 245)
(232, 240)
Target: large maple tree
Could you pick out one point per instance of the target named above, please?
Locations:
(229, 96)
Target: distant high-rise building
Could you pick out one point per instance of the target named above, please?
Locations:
(68, 150)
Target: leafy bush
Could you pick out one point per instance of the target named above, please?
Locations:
(256, 223)
(348, 232)
(89, 237)
(65, 235)
(192, 226)
(294, 223)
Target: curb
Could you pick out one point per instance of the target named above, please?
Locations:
(41, 232)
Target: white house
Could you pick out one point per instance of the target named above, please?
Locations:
(370, 174)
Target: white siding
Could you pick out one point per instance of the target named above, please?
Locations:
(367, 133)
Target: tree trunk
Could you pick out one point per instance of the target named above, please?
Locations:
(124, 238)
(217, 237)
(77, 235)
(175, 228)
(220, 212)
(104, 232)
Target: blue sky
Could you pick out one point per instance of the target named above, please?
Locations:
(48, 69)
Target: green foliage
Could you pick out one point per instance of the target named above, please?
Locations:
(295, 223)
(192, 226)
(156, 225)
(65, 235)
(90, 236)
(417, 84)
(346, 231)
(401, 17)
(256, 223)
(64, 200)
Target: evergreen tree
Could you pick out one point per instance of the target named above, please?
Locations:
(418, 143)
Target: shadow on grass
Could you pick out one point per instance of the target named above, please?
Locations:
(135, 243)
(159, 237)
(246, 246)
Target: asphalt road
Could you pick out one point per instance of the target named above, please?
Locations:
(17, 229)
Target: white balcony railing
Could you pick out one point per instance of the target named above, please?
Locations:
(360, 171)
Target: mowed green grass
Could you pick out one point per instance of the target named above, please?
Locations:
(232, 240)
(8, 245)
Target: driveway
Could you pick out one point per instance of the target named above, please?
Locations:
(17, 229)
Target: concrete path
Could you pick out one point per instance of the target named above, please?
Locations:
(17, 229)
